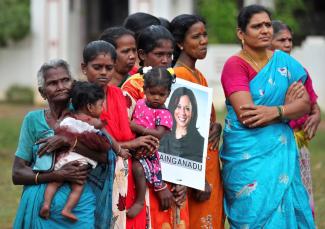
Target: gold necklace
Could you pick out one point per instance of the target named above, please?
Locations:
(253, 61)
(194, 72)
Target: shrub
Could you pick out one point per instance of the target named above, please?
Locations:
(20, 94)
(14, 20)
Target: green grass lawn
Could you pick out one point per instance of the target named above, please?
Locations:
(11, 117)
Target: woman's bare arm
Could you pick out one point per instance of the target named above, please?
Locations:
(87, 144)
(254, 116)
(158, 132)
(22, 173)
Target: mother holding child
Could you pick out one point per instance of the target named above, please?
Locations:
(94, 207)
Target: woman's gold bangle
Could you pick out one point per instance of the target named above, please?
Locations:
(36, 178)
(282, 108)
(280, 111)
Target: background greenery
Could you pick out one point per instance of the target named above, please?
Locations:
(10, 120)
(14, 20)
(221, 17)
(219, 14)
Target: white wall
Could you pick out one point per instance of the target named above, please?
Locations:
(16, 66)
(57, 31)
(311, 55)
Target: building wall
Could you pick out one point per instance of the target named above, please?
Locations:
(311, 54)
(59, 31)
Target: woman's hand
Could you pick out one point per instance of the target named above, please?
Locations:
(56, 142)
(256, 116)
(165, 199)
(295, 91)
(201, 196)
(179, 192)
(73, 172)
(214, 135)
(312, 122)
(149, 142)
(124, 153)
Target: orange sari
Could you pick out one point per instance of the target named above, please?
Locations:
(133, 87)
(207, 214)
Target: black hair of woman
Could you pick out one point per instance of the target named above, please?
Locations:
(164, 22)
(94, 48)
(138, 21)
(84, 93)
(178, 27)
(279, 26)
(173, 103)
(247, 13)
(151, 37)
(159, 76)
(113, 33)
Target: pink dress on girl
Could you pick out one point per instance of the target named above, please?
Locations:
(151, 118)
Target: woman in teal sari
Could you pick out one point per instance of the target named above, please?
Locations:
(262, 183)
(55, 82)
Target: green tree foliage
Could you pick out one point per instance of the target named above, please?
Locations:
(221, 17)
(14, 20)
(289, 12)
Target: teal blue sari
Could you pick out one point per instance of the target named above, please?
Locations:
(94, 209)
(261, 176)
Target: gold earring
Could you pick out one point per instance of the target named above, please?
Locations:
(242, 42)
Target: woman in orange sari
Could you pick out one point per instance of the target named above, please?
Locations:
(205, 207)
(155, 48)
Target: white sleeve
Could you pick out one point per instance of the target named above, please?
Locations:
(77, 126)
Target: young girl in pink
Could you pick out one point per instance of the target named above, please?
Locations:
(151, 117)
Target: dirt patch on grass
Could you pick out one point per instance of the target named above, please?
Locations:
(7, 110)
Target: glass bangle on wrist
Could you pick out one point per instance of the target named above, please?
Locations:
(281, 114)
(280, 111)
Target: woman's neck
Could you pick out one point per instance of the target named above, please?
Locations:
(180, 132)
(117, 79)
(186, 61)
(257, 54)
(56, 111)
(258, 58)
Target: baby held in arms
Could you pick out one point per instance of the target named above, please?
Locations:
(87, 100)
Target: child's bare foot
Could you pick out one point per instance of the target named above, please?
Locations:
(134, 210)
(45, 211)
(69, 215)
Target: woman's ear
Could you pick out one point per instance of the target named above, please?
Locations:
(240, 34)
(41, 91)
(83, 68)
(141, 54)
(89, 107)
(180, 46)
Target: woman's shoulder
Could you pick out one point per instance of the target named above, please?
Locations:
(136, 77)
(236, 60)
(35, 115)
(134, 86)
